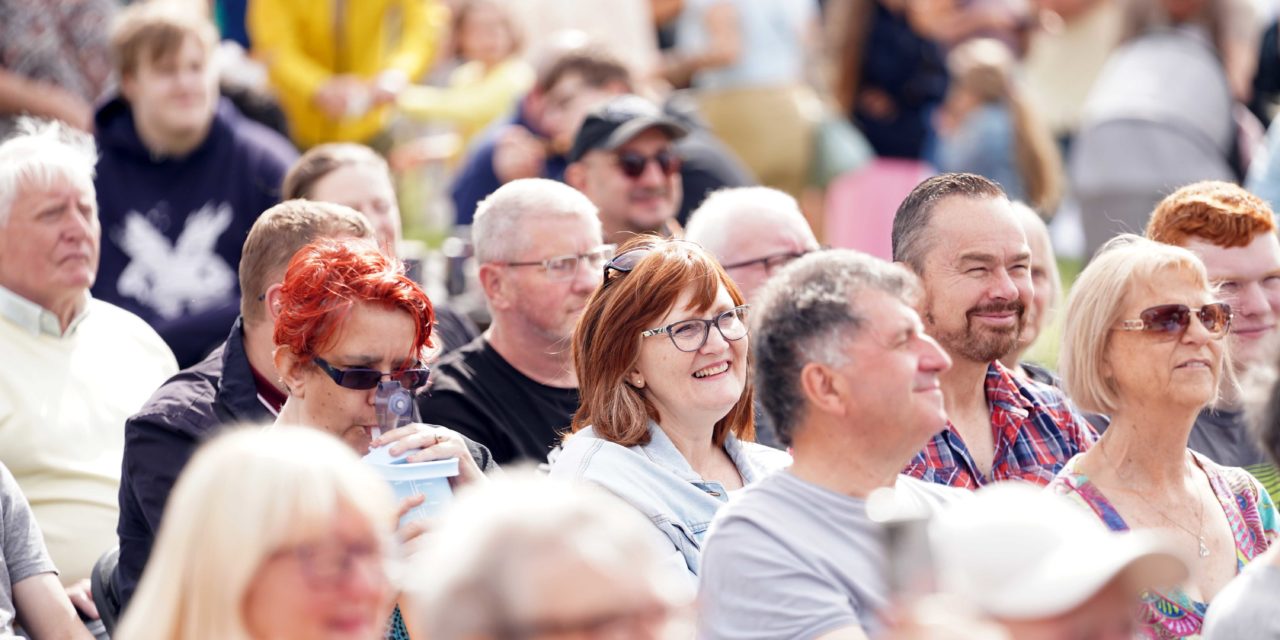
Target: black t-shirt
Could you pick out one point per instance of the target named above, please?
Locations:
(477, 393)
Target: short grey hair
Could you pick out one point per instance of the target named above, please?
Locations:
(807, 313)
(498, 232)
(911, 221)
(472, 578)
(41, 152)
(712, 223)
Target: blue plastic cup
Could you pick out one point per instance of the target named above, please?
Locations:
(430, 479)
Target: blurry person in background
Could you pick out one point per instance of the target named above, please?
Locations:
(490, 80)
(1046, 295)
(529, 557)
(354, 175)
(1145, 343)
(624, 160)
(666, 421)
(1233, 232)
(988, 126)
(514, 389)
(181, 178)
(278, 533)
(338, 67)
(1043, 569)
(74, 367)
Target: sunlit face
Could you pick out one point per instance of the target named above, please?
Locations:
(546, 306)
(485, 35)
(371, 336)
(904, 391)
(366, 188)
(1249, 280)
(333, 587)
(49, 243)
(566, 104)
(641, 204)
(755, 238)
(977, 278)
(1163, 368)
(572, 600)
(176, 94)
(1108, 615)
(693, 388)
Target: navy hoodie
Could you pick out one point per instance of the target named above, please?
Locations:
(173, 228)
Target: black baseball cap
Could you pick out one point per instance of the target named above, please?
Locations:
(617, 121)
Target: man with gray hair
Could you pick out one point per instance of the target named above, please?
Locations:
(960, 235)
(513, 389)
(74, 367)
(753, 231)
(796, 555)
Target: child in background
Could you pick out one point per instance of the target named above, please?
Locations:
(490, 80)
(987, 126)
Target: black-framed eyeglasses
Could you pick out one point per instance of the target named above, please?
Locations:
(566, 267)
(1173, 319)
(363, 379)
(690, 335)
(632, 164)
(771, 261)
(327, 566)
(626, 261)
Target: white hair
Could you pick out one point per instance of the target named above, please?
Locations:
(39, 154)
(242, 497)
(499, 232)
(476, 571)
(712, 224)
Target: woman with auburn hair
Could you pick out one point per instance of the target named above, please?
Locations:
(666, 423)
(1143, 343)
(273, 533)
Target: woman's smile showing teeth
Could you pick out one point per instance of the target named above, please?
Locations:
(712, 370)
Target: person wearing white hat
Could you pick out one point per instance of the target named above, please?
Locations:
(1043, 569)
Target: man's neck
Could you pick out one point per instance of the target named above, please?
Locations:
(964, 386)
(259, 347)
(832, 457)
(545, 362)
(170, 146)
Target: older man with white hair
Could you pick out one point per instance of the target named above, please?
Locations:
(752, 231)
(541, 254)
(74, 367)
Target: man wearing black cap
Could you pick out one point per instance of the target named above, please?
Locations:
(622, 159)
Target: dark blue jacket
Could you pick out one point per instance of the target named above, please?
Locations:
(173, 228)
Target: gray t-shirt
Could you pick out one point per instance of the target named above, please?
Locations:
(1246, 608)
(791, 559)
(22, 552)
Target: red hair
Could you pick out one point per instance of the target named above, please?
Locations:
(326, 278)
(1220, 213)
(606, 342)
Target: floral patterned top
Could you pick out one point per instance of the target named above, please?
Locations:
(1249, 510)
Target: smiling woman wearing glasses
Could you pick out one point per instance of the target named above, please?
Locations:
(1144, 343)
(661, 354)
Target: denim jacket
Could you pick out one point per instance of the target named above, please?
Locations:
(656, 479)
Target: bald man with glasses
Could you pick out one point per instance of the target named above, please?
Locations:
(541, 254)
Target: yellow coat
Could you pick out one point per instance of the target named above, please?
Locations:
(473, 99)
(302, 46)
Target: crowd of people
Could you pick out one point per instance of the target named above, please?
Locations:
(675, 402)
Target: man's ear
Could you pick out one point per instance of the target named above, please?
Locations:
(821, 387)
(575, 175)
(292, 370)
(271, 300)
(497, 284)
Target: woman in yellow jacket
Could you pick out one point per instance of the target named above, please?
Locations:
(337, 65)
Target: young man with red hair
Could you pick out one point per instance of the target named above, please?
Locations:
(1234, 234)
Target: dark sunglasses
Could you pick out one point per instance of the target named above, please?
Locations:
(1175, 318)
(363, 379)
(632, 163)
(626, 261)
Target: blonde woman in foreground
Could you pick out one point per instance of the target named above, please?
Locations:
(274, 533)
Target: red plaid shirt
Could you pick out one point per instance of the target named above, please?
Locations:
(1035, 432)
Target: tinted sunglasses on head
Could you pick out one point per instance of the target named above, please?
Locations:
(633, 164)
(363, 379)
(1173, 319)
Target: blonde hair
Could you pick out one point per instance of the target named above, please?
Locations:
(1093, 309)
(244, 496)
